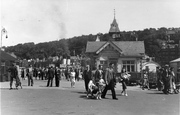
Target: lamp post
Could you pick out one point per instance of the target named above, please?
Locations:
(3, 31)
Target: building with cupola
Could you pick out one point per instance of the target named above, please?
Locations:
(114, 31)
(127, 54)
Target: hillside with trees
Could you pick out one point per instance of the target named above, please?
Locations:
(153, 39)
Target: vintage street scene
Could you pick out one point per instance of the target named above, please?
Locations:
(87, 57)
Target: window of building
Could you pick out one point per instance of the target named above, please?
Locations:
(129, 65)
(104, 62)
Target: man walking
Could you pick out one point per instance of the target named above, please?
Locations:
(30, 76)
(110, 81)
(50, 76)
(87, 75)
(166, 79)
(98, 74)
(13, 74)
(57, 76)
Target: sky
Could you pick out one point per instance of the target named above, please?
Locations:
(49, 20)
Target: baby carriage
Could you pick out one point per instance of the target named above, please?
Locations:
(18, 83)
(176, 87)
(92, 89)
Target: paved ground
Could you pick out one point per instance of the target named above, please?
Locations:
(64, 100)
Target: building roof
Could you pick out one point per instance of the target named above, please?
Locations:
(7, 57)
(128, 48)
(114, 27)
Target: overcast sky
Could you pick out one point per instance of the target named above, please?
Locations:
(48, 20)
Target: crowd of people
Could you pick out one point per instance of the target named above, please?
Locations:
(97, 80)
(166, 81)
(50, 73)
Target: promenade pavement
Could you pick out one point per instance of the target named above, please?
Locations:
(64, 100)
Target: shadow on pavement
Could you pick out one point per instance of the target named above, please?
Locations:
(80, 92)
(42, 86)
(9, 89)
(84, 96)
(156, 93)
(24, 85)
(89, 98)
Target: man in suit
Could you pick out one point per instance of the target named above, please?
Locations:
(87, 74)
(50, 76)
(166, 74)
(14, 74)
(98, 74)
(57, 76)
(110, 81)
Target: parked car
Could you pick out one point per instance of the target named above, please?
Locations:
(135, 78)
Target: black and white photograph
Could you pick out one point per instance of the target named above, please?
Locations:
(90, 57)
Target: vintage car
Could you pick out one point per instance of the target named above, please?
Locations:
(134, 78)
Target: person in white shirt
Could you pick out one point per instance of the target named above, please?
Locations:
(30, 76)
(72, 76)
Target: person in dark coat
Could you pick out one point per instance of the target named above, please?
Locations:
(77, 74)
(13, 74)
(22, 74)
(166, 79)
(35, 72)
(98, 74)
(57, 76)
(50, 76)
(87, 75)
(110, 81)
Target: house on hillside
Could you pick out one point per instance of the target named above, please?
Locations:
(126, 54)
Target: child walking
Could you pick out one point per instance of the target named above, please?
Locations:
(101, 85)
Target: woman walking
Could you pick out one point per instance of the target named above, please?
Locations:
(72, 76)
(124, 76)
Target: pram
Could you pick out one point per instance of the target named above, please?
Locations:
(177, 86)
(92, 89)
(18, 83)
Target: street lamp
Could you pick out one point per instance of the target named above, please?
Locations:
(3, 31)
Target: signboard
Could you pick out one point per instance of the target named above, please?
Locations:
(51, 65)
(2, 63)
(62, 65)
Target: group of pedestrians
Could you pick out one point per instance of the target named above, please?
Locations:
(53, 72)
(105, 80)
(14, 74)
(166, 80)
(29, 72)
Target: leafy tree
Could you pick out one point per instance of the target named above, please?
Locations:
(153, 40)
